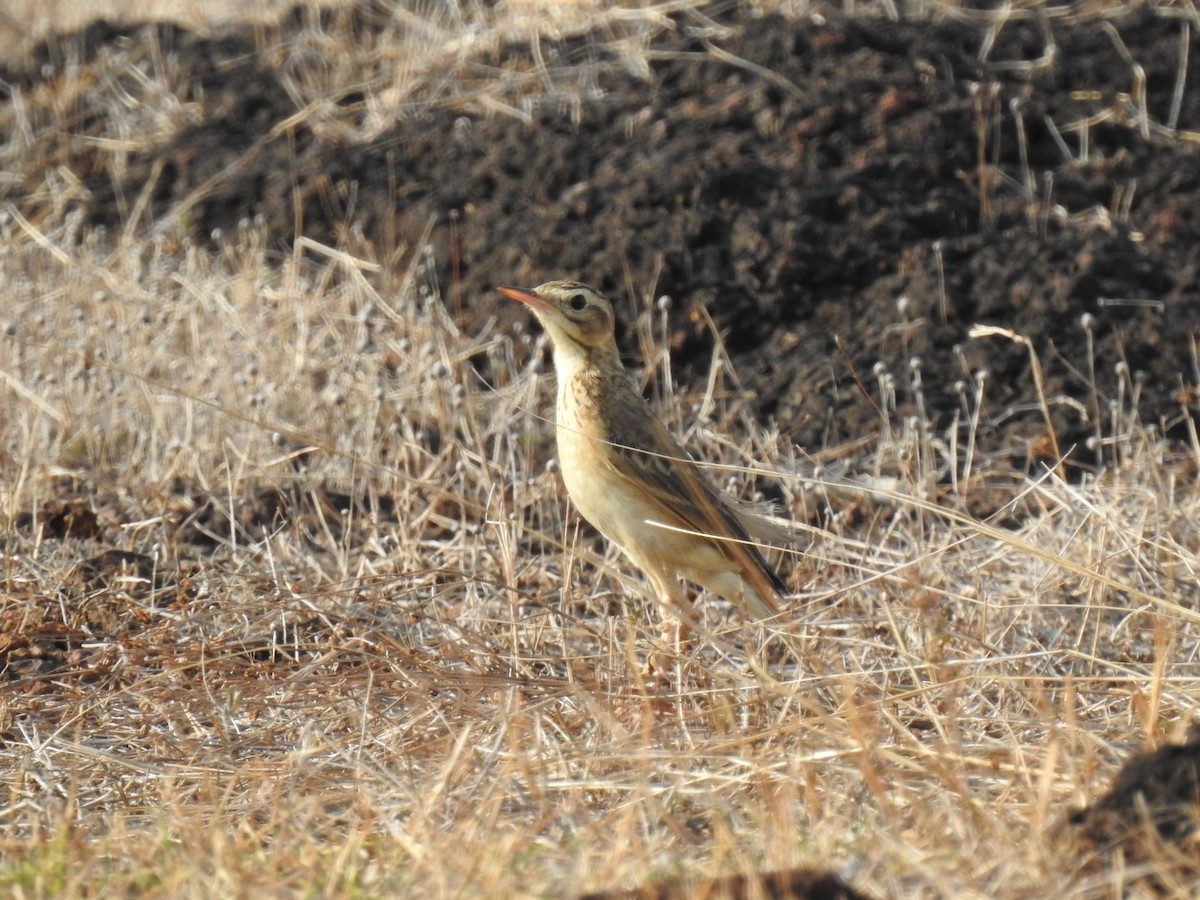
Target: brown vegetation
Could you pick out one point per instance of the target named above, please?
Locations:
(292, 601)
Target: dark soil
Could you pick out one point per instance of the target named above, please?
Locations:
(1160, 788)
(845, 198)
(1153, 804)
(785, 884)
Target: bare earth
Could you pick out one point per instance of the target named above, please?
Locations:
(836, 196)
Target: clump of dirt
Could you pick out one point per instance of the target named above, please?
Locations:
(846, 198)
(785, 884)
(68, 517)
(1152, 807)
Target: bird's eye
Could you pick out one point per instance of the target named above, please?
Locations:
(578, 302)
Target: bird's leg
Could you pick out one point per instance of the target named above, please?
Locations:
(676, 629)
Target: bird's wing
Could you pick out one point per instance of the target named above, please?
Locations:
(675, 483)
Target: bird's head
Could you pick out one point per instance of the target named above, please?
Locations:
(578, 318)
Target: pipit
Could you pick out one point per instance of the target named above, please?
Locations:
(630, 478)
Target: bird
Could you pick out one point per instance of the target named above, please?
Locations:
(632, 479)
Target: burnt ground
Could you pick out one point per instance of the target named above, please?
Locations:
(796, 182)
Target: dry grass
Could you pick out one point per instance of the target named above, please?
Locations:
(376, 656)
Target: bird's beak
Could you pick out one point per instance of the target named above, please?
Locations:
(526, 296)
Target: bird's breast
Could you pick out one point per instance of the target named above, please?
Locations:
(595, 486)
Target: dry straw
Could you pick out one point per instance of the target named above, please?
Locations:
(360, 645)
